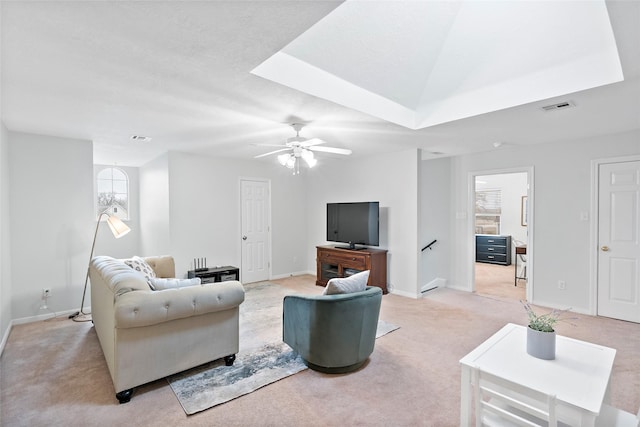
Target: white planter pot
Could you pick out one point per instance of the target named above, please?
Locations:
(541, 344)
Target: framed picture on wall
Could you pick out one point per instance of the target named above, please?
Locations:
(523, 211)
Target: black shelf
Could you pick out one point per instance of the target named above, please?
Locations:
(218, 274)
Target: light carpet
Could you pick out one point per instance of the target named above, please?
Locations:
(214, 383)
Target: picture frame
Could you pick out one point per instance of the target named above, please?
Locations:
(524, 210)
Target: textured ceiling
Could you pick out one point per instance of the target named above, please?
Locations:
(180, 72)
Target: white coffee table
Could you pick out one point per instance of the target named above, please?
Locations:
(579, 375)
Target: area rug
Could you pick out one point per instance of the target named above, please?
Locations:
(214, 383)
(257, 364)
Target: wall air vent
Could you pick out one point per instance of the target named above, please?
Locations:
(559, 106)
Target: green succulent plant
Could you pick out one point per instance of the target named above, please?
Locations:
(543, 322)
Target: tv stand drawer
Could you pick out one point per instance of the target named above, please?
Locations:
(357, 261)
(338, 262)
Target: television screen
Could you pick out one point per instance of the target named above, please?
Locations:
(353, 223)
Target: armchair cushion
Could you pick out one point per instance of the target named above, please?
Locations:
(354, 283)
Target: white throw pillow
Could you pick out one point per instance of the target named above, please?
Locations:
(159, 284)
(141, 265)
(354, 283)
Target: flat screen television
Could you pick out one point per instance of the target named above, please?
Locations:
(354, 223)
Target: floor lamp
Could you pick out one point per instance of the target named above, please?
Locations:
(119, 229)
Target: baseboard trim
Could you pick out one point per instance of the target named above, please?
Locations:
(434, 284)
(403, 293)
(5, 337)
(580, 310)
(296, 273)
(47, 316)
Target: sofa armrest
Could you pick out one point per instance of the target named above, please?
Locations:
(145, 308)
(164, 266)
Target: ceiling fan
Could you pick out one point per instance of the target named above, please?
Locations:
(300, 147)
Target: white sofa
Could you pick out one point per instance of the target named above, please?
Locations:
(147, 335)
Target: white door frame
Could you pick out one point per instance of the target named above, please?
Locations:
(471, 225)
(270, 256)
(595, 222)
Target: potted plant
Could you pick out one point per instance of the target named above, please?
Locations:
(541, 336)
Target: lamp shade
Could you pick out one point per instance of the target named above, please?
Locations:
(118, 228)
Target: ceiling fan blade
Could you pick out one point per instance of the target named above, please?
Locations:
(270, 145)
(272, 152)
(333, 150)
(311, 142)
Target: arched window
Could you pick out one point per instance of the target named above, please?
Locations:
(113, 192)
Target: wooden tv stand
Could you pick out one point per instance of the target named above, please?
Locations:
(337, 262)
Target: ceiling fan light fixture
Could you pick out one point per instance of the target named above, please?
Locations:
(299, 148)
(291, 161)
(307, 155)
(311, 162)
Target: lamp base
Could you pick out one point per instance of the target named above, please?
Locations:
(81, 317)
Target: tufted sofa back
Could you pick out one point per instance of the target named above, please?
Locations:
(119, 276)
(164, 265)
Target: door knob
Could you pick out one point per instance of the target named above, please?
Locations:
(244, 237)
(605, 248)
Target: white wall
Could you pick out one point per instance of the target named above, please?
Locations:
(155, 236)
(203, 199)
(5, 235)
(129, 244)
(391, 179)
(435, 221)
(562, 189)
(51, 220)
(5, 253)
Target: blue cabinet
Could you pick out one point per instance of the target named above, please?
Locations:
(493, 249)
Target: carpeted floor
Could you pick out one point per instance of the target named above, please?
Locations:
(258, 364)
(53, 373)
(499, 281)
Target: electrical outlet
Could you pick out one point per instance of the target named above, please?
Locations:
(562, 285)
(46, 293)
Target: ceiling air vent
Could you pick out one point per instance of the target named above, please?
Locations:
(140, 138)
(559, 106)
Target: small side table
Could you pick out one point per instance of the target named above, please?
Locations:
(217, 274)
(520, 250)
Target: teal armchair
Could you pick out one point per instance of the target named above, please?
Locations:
(332, 333)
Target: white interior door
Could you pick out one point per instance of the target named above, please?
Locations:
(255, 230)
(619, 241)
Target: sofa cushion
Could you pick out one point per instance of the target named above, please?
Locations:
(138, 264)
(159, 284)
(354, 283)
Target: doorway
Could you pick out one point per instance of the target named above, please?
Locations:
(255, 227)
(618, 247)
(501, 206)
